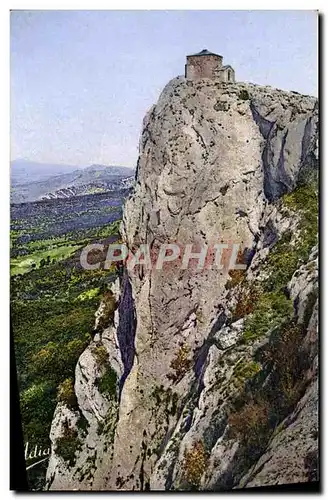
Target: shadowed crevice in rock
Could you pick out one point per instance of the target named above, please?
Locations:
(280, 175)
(306, 138)
(267, 129)
(264, 125)
(202, 353)
(126, 328)
(275, 181)
(309, 160)
(270, 235)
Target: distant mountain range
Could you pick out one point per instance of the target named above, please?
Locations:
(25, 171)
(36, 181)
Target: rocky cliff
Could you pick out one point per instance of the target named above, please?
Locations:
(206, 378)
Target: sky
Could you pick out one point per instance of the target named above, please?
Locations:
(82, 81)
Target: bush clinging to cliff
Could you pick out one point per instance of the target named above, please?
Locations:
(194, 464)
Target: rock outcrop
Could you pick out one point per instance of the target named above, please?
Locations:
(198, 355)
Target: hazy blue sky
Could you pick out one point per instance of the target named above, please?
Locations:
(81, 81)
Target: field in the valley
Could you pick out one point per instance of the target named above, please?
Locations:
(53, 299)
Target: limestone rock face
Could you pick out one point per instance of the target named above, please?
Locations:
(214, 162)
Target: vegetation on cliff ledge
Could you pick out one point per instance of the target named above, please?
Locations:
(259, 408)
(107, 382)
(68, 444)
(194, 464)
